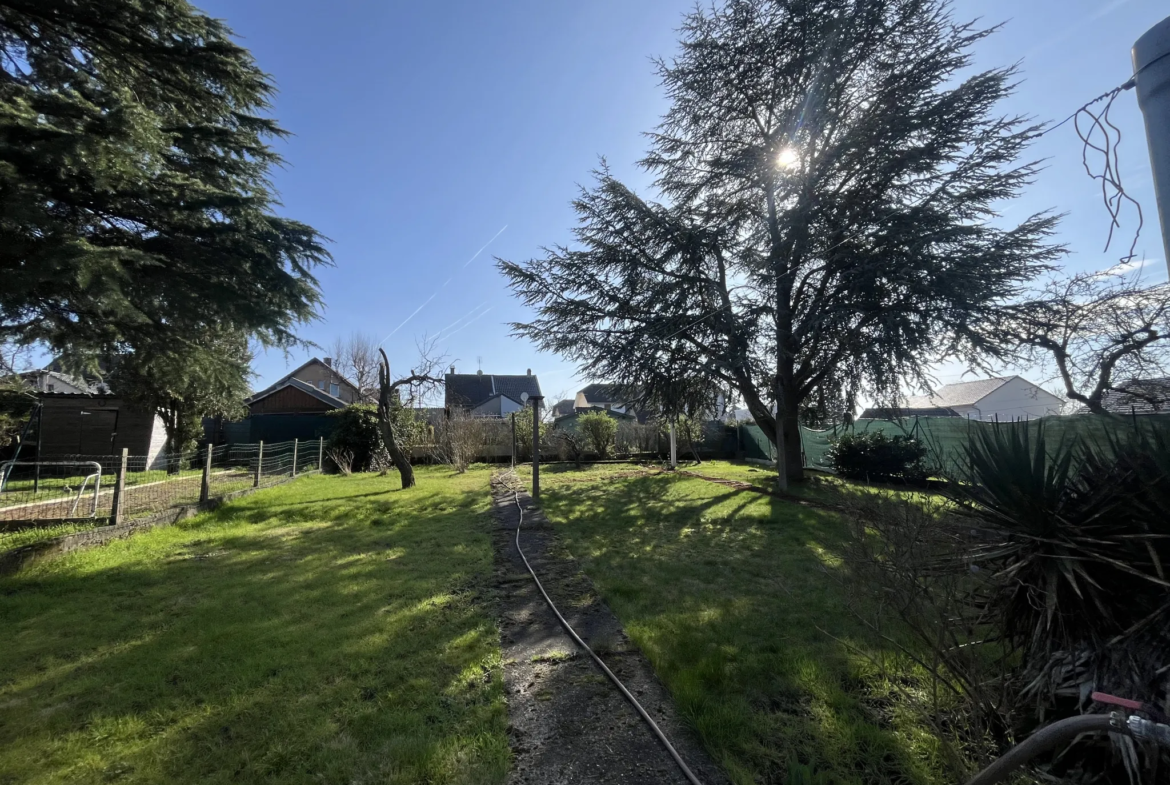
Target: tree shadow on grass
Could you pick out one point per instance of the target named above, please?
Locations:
(286, 649)
(724, 590)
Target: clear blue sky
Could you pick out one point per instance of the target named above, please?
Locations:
(422, 129)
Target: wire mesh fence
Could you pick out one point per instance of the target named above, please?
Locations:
(85, 486)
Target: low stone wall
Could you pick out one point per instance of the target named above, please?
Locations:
(17, 558)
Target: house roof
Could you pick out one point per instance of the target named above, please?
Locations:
(959, 394)
(84, 387)
(472, 389)
(607, 392)
(315, 360)
(1121, 401)
(565, 406)
(895, 412)
(305, 387)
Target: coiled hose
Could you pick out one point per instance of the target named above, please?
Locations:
(690, 775)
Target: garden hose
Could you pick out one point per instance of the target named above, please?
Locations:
(690, 775)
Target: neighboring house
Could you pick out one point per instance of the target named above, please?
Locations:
(97, 425)
(322, 375)
(561, 408)
(569, 421)
(489, 395)
(290, 409)
(1007, 398)
(46, 381)
(610, 397)
(1153, 398)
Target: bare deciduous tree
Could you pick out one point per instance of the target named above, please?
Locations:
(356, 358)
(1097, 333)
(422, 378)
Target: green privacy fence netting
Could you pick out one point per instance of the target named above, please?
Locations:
(946, 437)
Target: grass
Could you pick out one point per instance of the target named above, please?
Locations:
(818, 486)
(16, 539)
(724, 591)
(332, 630)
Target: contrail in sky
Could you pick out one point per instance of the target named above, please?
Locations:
(485, 245)
(441, 288)
(473, 312)
(473, 321)
(407, 319)
(1070, 29)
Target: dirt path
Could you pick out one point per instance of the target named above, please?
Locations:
(569, 724)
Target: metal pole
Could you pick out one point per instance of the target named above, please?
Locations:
(513, 440)
(321, 454)
(1151, 70)
(536, 399)
(294, 466)
(116, 511)
(259, 464)
(205, 488)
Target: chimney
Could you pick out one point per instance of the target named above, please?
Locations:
(329, 361)
(529, 371)
(452, 369)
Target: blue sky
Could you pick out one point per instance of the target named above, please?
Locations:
(423, 129)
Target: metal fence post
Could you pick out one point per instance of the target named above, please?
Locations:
(513, 440)
(116, 508)
(294, 466)
(259, 463)
(321, 454)
(205, 488)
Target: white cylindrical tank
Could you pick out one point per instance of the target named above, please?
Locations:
(1151, 68)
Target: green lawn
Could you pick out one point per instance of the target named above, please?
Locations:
(817, 486)
(724, 591)
(332, 630)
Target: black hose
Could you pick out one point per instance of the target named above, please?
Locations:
(613, 678)
(1044, 740)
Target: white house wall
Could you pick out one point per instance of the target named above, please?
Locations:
(158, 443)
(507, 406)
(1017, 399)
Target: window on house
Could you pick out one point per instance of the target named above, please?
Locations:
(52, 387)
(335, 390)
(321, 385)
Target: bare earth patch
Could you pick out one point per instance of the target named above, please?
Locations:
(568, 724)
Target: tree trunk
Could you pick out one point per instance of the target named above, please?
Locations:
(397, 456)
(387, 394)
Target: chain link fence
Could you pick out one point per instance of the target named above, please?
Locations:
(96, 486)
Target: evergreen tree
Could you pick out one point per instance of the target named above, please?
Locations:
(135, 204)
(829, 174)
(185, 381)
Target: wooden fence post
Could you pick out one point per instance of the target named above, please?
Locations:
(116, 509)
(294, 466)
(259, 464)
(205, 488)
(321, 455)
(536, 399)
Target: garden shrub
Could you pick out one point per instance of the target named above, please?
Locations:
(600, 431)
(357, 435)
(878, 457)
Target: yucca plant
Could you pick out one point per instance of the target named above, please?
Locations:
(1079, 557)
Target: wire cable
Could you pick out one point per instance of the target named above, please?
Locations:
(690, 775)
